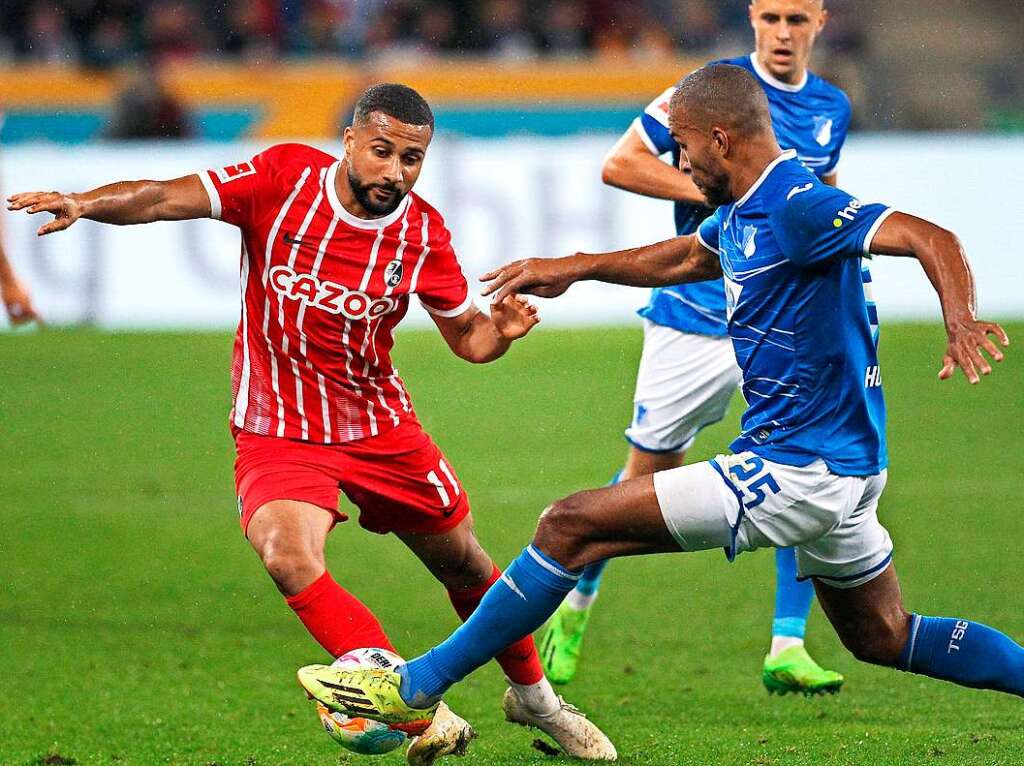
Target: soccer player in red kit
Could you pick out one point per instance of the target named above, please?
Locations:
(332, 252)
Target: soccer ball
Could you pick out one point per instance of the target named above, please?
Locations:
(361, 735)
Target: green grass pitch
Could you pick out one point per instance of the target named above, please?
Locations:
(136, 626)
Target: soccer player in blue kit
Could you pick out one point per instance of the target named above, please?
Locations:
(809, 464)
(688, 371)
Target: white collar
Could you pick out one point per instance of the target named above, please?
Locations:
(354, 220)
(772, 80)
(786, 155)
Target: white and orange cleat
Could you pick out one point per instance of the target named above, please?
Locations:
(575, 734)
(448, 734)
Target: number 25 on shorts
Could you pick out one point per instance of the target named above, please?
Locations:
(751, 476)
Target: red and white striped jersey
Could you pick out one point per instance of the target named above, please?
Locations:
(322, 291)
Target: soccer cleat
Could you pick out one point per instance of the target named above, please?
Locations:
(365, 693)
(793, 670)
(562, 642)
(448, 734)
(577, 736)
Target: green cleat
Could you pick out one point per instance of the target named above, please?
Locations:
(365, 693)
(561, 643)
(793, 670)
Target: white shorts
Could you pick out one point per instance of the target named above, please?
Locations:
(743, 502)
(684, 383)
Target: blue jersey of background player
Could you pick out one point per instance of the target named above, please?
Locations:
(688, 374)
(812, 117)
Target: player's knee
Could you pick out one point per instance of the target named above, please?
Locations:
(881, 642)
(291, 567)
(562, 532)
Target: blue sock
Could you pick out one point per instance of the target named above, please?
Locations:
(793, 598)
(528, 592)
(591, 579)
(964, 652)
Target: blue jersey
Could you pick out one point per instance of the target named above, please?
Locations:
(802, 330)
(811, 117)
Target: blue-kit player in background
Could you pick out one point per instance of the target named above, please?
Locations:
(688, 372)
(809, 464)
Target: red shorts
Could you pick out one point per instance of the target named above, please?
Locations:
(399, 481)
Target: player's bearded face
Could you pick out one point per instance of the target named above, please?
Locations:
(384, 158)
(705, 168)
(376, 197)
(712, 180)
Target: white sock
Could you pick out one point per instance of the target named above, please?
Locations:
(539, 698)
(578, 601)
(781, 643)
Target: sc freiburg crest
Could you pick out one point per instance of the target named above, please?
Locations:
(393, 274)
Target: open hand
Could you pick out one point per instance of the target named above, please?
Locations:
(967, 338)
(64, 207)
(545, 277)
(513, 317)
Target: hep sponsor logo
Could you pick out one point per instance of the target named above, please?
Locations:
(329, 296)
(848, 213)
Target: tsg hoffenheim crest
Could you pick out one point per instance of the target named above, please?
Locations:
(393, 274)
(749, 245)
(823, 130)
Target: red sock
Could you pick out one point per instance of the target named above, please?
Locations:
(336, 619)
(520, 660)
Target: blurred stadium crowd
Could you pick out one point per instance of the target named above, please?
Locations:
(105, 33)
(912, 65)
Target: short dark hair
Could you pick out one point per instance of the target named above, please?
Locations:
(395, 100)
(724, 95)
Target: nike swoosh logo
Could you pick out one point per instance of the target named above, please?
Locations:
(515, 588)
(798, 190)
(288, 239)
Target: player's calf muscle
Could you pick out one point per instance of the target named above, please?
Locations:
(879, 643)
(870, 619)
(465, 569)
(455, 558)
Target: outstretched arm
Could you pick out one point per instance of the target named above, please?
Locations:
(672, 262)
(121, 203)
(942, 256)
(479, 338)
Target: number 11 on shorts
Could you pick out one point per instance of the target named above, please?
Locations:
(442, 490)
